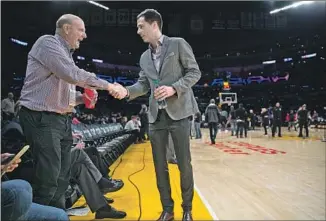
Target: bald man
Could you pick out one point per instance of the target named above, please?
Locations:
(47, 100)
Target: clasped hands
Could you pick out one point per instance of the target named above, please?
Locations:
(160, 93)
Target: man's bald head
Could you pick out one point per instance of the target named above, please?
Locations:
(72, 29)
(66, 19)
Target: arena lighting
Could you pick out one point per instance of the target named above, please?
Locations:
(19, 42)
(287, 59)
(97, 60)
(294, 5)
(80, 58)
(269, 62)
(98, 5)
(309, 55)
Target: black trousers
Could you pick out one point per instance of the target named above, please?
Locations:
(265, 128)
(305, 125)
(277, 124)
(143, 131)
(212, 131)
(50, 138)
(241, 126)
(159, 137)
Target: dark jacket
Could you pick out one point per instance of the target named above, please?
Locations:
(265, 118)
(303, 116)
(277, 114)
(211, 114)
(241, 114)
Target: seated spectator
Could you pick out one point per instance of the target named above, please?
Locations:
(124, 121)
(134, 125)
(8, 107)
(93, 185)
(16, 201)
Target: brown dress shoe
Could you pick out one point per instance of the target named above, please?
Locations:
(165, 216)
(187, 216)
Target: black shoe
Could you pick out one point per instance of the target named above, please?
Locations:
(187, 216)
(109, 200)
(108, 212)
(115, 187)
(165, 216)
(115, 180)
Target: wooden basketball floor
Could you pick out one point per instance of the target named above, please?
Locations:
(254, 178)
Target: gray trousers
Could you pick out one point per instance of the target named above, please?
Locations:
(170, 153)
(159, 137)
(86, 175)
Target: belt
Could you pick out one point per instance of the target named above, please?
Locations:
(48, 112)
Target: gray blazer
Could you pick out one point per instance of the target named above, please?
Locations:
(179, 69)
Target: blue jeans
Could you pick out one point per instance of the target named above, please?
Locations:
(233, 126)
(16, 204)
(197, 129)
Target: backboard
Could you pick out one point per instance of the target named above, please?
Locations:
(228, 98)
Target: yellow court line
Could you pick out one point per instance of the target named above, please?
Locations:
(127, 198)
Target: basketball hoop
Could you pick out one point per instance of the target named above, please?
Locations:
(228, 98)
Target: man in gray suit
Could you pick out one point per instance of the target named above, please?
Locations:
(172, 62)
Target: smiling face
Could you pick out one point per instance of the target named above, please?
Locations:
(75, 33)
(147, 31)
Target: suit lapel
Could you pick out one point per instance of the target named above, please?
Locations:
(163, 51)
(151, 64)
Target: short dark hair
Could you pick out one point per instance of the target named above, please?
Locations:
(151, 15)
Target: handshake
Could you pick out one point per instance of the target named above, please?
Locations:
(118, 91)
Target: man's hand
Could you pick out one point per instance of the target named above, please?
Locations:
(95, 96)
(11, 167)
(163, 92)
(118, 91)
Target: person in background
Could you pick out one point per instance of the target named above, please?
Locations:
(197, 125)
(133, 125)
(241, 115)
(212, 116)
(315, 118)
(303, 120)
(124, 121)
(143, 115)
(252, 120)
(8, 107)
(277, 120)
(224, 116)
(232, 120)
(291, 120)
(265, 119)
